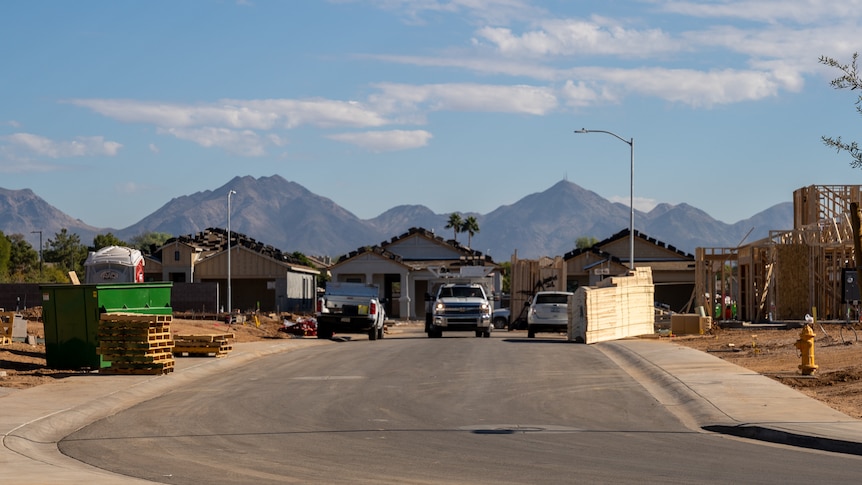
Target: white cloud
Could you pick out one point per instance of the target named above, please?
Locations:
(324, 113)
(385, 141)
(491, 11)
(468, 97)
(235, 125)
(580, 94)
(252, 114)
(237, 142)
(79, 147)
(698, 88)
(153, 148)
(574, 37)
(478, 63)
(770, 11)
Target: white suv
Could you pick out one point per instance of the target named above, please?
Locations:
(548, 312)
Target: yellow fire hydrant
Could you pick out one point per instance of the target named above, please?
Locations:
(805, 344)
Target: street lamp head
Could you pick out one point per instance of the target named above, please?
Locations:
(582, 130)
(231, 192)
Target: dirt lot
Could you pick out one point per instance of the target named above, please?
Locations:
(769, 351)
(23, 365)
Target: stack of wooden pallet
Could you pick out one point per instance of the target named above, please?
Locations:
(204, 345)
(136, 344)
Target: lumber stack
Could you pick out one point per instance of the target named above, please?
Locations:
(620, 307)
(205, 345)
(135, 343)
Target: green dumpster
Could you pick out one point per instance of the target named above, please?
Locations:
(71, 313)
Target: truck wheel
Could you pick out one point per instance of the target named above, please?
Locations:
(486, 334)
(531, 333)
(324, 333)
(479, 333)
(372, 334)
(380, 333)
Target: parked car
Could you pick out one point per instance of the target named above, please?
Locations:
(501, 318)
(548, 312)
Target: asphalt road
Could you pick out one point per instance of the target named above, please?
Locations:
(415, 410)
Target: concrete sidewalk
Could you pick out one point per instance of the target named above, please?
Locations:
(709, 393)
(704, 391)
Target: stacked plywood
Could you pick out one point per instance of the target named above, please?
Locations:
(620, 307)
(205, 345)
(136, 344)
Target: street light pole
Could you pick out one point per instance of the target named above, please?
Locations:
(631, 144)
(40, 251)
(229, 307)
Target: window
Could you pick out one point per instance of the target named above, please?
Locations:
(176, 255)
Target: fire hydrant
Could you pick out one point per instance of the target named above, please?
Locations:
(805, 344)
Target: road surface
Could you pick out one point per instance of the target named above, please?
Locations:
(408, 409)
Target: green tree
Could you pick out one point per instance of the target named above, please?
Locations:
(66, 251)
(506, 271)
(105, 240)
(303, 258)
(849, 79)
(5, 254)
(147, 240)
(471, 226)
(585, 242)
(455, 222)
(23, 257)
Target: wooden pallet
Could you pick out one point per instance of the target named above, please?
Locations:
(134, 318)
(155, 368)
(122, 346)
(203, 345)
(136, 343)
(132, 336)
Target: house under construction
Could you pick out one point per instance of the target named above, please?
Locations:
(809, 270)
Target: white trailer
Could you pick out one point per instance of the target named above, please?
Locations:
(115, 264)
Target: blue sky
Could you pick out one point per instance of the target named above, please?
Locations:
(110, 109)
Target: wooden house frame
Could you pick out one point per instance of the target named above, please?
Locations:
(672, 270)
(792, 273)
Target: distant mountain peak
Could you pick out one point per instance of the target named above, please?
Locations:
(288, 216)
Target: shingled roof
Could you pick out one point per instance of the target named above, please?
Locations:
(214, 240)
(625, 234)
(381, 249)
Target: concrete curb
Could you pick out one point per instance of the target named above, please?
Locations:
(712, 395)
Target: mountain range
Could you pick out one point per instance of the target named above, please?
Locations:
(286, 215)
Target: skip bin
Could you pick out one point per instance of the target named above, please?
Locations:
(71, 313)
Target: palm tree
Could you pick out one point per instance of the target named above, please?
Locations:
(455, 224)
(471, 227)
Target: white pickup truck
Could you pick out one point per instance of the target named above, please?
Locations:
(350, 308)
(460, 307)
